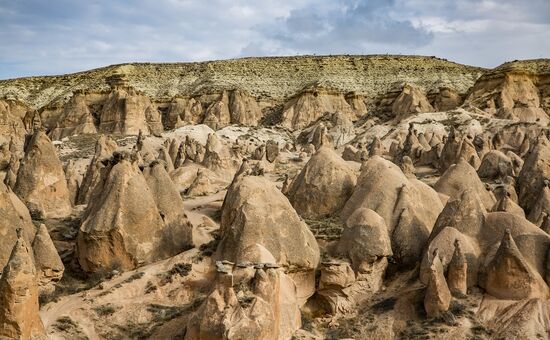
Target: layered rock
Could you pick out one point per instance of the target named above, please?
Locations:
(510, 94)
(323, 186)
(41, 182)
(19, 317)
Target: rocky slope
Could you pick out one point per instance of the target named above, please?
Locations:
(405, 211)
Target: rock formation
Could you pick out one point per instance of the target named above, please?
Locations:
(323, 186)
(75, 119)
(41, 182)
(457, 273)
(438, 297)
(19, 318)
(410, 101)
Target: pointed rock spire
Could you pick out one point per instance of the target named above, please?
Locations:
(19, 318)
(509, 276)
(438, 296)
(48, 263)
(457, 272)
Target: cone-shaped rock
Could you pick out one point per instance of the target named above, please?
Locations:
(457, 273)
(75, 119)
(122, 226)
(438, 296)
(535, 171)
(19, 318)
(461, 176)
(509, 276)
(410, 101)
(104, 148)
(48, 263)
(323, 186)
(170, 205)
(41, 182)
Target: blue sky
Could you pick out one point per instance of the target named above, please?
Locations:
(41, 37)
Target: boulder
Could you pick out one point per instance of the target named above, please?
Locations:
(495, 164)
(41, 182)
(19, 309)
(323, 186)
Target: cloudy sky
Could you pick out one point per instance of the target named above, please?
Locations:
(40, 37)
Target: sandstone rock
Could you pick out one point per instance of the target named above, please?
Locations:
(321, 137)
(509, 94)
(323, 186)
(438, 296)
(460, 176)
(408, 206)
(73, 180)
(457, 148)
(41, 182)
(177, 229)
(76, 119)
(13, 215)
(183, 111)
(19, 317)
(410, 101)
(447, 99)
(244, 109)
(273, 313)
(164, 156)
(104, 148)
(509, 276)
(108, 239)
(495, 164)
(217, 114)
(201, 185)
(364, 239)
(541, 207)
(47, 261)
(255, 211)
(535, 170)
(505, 203)
(311, 104)
(10, 124)
(457, 273)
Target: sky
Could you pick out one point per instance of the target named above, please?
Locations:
(45, 37)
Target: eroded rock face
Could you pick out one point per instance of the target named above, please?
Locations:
(408, 206)
(75, 119)
(438, 297)
(509, 94)
(410, 101)
(10, 123)
(19, 318)
(256, 212)
(127, 112)
(49, 266)
(170, 205)
(365, 238)
(510, 276)
(323, 186)
(311, 104)
(272, 314)
(535, 171)
(109, 239)
(447, 99)
(104, 148)
(41, 182)
(461, 176)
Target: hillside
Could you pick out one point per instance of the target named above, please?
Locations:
(270, 78)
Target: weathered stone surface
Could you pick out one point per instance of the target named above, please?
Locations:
(533, 174)
(75, 119)
(365, 238)
(410, 101)
(48, 264)
(323, 186)
(438, 296)
(19, 318)
(41, 182)
(457, 273)
(108, 239)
